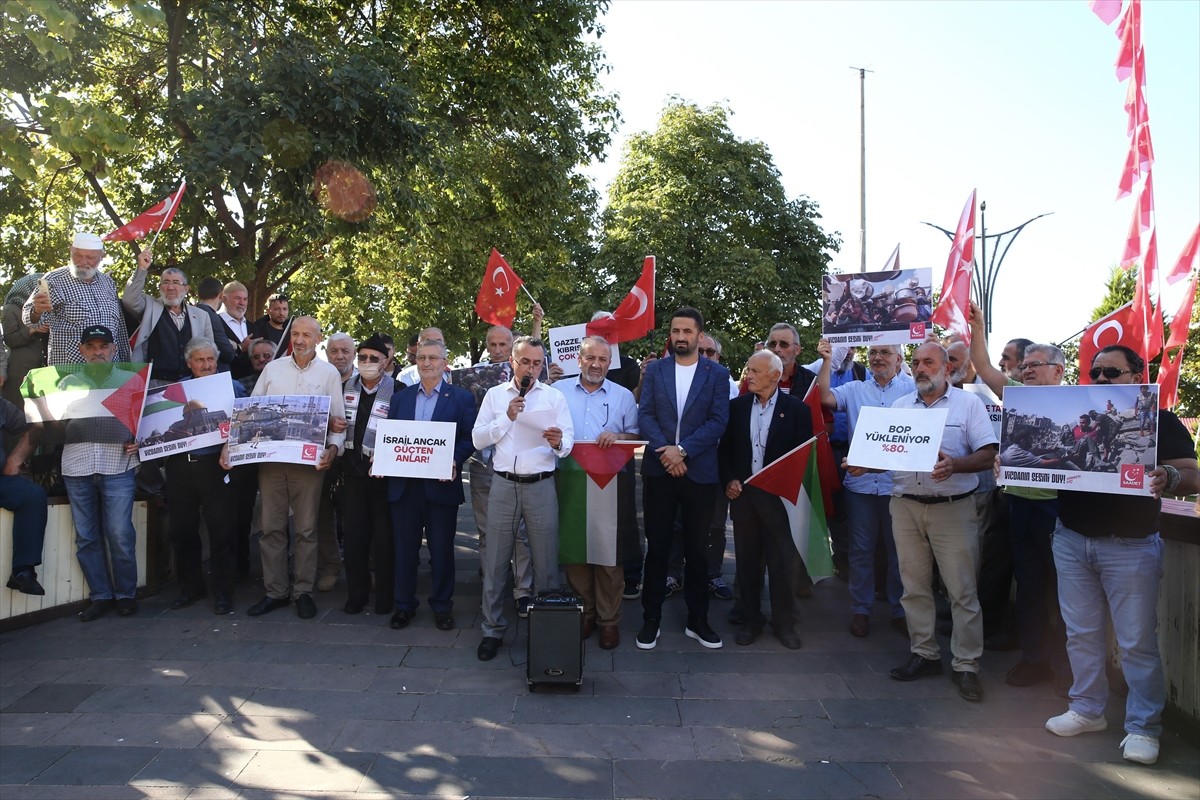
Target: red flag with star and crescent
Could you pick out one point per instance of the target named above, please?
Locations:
(157, 217)
(496, 302)
(955, 299)
(634, 318)
(1116, 327)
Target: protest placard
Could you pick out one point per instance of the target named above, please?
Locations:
(185, 416)
(865, 308)
(278, 429)
(994, 408)
(564, 345)
(412, 449)
(897, 438)
(1095, 438)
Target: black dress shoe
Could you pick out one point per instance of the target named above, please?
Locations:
(443, 620)
(969, 687)
(747, 635)
(917, 667)
(222, 605)
(788, 639)
(488, 648)
(25, 582)
(401, 618)
(305, 607)
(95, 611)
(353, 607)
(126, 606)
(186, 599)
(267, 605)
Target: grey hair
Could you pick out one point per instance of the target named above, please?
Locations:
(441, 346)
(337, 337)
(199, 343)
(1052, 352)
(774, 361)
(182, 275)
(716, 342)
(598, 341)
(783, 326)
(527, 340)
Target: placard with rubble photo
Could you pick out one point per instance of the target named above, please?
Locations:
(865, 308)
(1098, 438)
(477, 380)
(185, 416)
(278, 429)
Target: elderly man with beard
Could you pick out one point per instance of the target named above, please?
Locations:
(295, 486)
(933, 519)
(168, 322)
(196, 484)
(603, 412)
(1109, 558)
(80, 295)
(234, 298)
(362, 500)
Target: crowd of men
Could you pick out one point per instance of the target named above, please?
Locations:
(916, 540)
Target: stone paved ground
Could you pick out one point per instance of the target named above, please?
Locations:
(173, 704)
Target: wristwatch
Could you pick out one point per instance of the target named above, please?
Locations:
(682, 452)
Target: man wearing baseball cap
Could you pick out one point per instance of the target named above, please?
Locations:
(78, 295)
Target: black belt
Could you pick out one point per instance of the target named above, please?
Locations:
(195, 458)
(933, 500)
(539, 476)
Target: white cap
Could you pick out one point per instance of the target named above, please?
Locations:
(88, 241)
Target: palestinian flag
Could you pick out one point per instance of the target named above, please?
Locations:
(827, 464)
(597, 518)
(85, 391)
(795, 478)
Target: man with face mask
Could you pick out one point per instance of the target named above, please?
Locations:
(168, 323)
(80, 295)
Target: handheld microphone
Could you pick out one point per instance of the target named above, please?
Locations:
(526, 382)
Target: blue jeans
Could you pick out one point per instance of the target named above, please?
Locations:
(1125, 573)
(27, 501)
(102, 506)
(869, 516)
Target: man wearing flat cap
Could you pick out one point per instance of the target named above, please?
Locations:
(79, 295)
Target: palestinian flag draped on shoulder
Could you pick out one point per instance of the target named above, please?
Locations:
(86, 391)
(796, 479)
(595, 495)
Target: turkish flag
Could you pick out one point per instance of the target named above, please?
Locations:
(1117, 327)
(1183, 267)
(634, 318)
(152, 219)
(1172, 360)
(497, 299)
(955, 299)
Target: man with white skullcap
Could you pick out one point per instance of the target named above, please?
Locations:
(80, 295)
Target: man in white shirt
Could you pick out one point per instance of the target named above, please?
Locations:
(530, 426)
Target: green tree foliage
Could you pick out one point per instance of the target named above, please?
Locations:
(467, 120)
(712, 208)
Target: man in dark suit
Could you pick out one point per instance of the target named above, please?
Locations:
(428, 506)
(682, 412)
(764, 424)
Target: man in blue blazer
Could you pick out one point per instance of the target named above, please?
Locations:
(682, 413)
(764, 425)
(428, 506)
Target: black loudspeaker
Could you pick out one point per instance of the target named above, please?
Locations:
(555, 641)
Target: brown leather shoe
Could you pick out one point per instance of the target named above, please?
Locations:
(610, 637)
(860, 625)
(589, 625)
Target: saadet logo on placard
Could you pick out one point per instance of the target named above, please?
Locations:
(1133, 476)
(916, 331)
(309, 452)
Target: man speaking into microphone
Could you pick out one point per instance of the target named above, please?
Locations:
(530, 427)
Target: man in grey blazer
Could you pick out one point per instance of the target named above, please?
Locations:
(168, 323)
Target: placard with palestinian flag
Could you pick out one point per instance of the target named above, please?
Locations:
(795, 478)
(113, 390)
(185, 416)
(597, 518)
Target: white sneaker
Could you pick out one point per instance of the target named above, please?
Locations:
(1073, 723)
(1140, 748)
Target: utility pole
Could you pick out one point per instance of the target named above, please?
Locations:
(862, 165)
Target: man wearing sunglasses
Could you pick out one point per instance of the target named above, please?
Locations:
(1109, 555)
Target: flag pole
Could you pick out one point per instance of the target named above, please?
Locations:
(175, 198)
(527, 294)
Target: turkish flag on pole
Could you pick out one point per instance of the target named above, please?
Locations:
(1106, 10)
(1183, 267)
(1172, 359)
(951, 311)
(1116, 327)
(634, 318)
(152, 219)
(497, 299)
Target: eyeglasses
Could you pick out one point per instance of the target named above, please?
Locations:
(371, 359)
(171, 282)
(779, 343)
(525, 362)
(1112, 373)
(1034, 365)
(711, 352)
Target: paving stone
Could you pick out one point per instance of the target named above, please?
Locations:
(221, 651)
(330, 772)
(765, 714)
(636, 684)
(700, 780)
(115, 671)
(97, 766)
(193, 768)
(917, 713)
(525, 740)
(283, 676)
(29, 729)
(475, 776)
(54, 698)
(298, 731)
(654, 711)
(20, 764)
(168, 699)
(405, 680)
(465, 708)
(1030, 781)
(298, 653)
(10, 693)
(752, 686)
(137, 729)
(30, 671)
(483, 681)
(329, 704)
(424, 737)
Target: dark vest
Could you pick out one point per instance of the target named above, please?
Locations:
(165, 348)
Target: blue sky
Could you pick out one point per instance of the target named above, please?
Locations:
(1017, 99)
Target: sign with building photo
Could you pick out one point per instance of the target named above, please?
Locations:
(865, 308)
(1096, 438)
(279, 429)
(185, 416)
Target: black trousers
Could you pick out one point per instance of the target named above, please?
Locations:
(196, 485)
(761, 532)
(662, 498)
(244, 485)
(367, 532)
